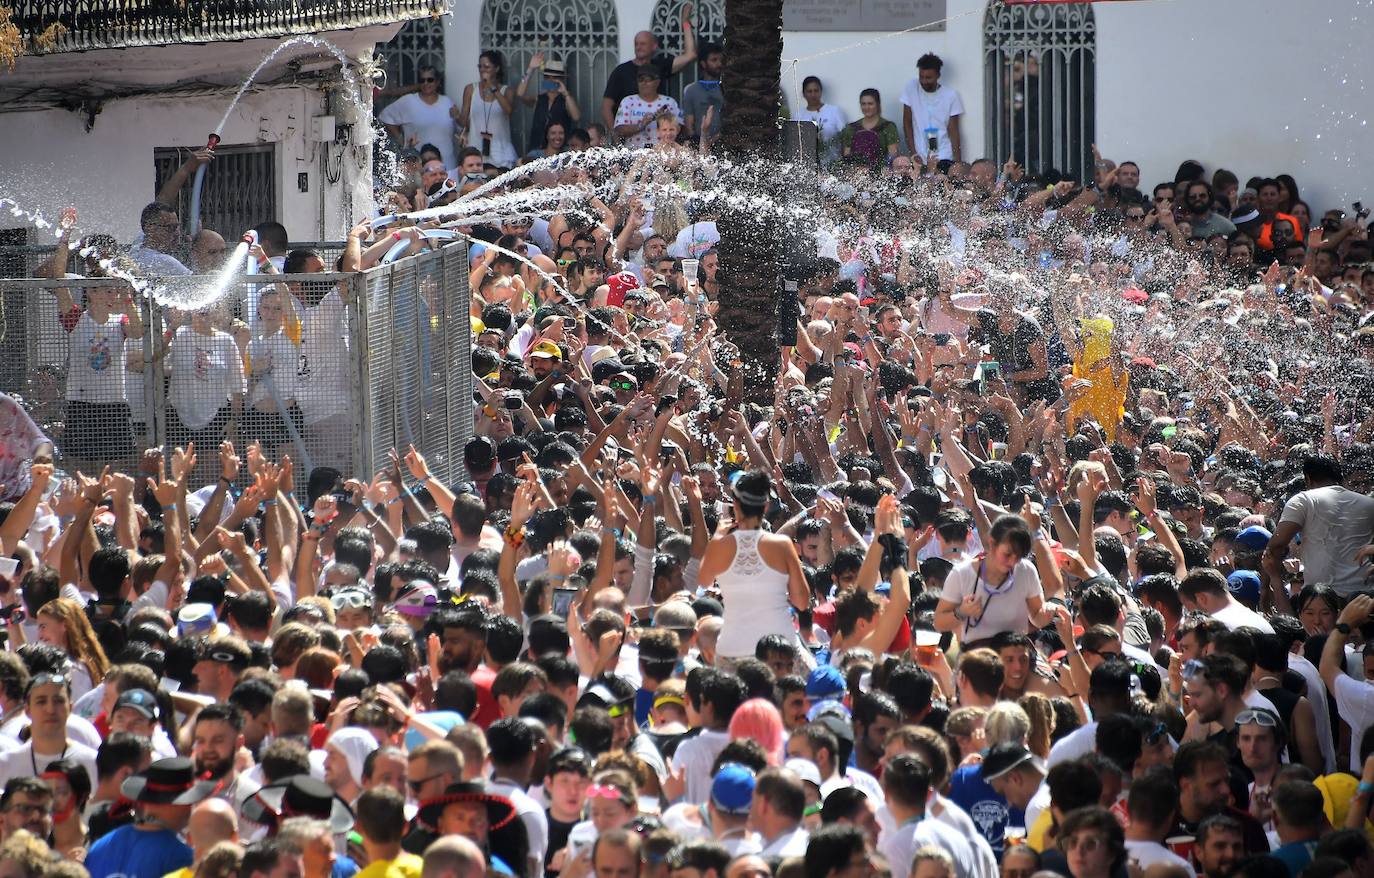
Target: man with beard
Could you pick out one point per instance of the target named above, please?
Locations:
(705, 94)
(217, 737)
(1219, 846)
(152, 846)
(932, 110)
(1205, 221)
(26, 803)
(463, 641)
(1202, 771)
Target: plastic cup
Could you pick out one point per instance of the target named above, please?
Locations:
(1181, 845)
(927, 645)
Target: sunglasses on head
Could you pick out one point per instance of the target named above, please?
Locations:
(351, 600)
(605, 791)
(1258, 717)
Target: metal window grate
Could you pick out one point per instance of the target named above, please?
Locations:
(240, 187)
(1040, 72)
(417, 44)
(583, 34)
(708, 22)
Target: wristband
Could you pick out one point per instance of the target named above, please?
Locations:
(613, 531)
(650, 498)
(272, 502)
(170, 507)
(1364, 788)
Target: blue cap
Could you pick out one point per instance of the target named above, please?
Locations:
(1254, 538)
(1245, 586)
(825, 681)
(732, 789)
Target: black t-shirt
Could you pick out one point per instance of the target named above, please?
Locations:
(624, 79)
(558, 838)
(1010, 349)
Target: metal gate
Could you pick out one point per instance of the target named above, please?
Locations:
(419, 43)
(240, 188)
(1040, 84)
(708, 23)
(583, 34)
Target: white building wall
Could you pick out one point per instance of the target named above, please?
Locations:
(1175, 80)
(109, 171)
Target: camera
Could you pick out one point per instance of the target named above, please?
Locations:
(514, 400)
(1361, 212)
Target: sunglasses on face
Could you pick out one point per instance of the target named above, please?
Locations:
(623, 385)
(351, 600)
(429, 79)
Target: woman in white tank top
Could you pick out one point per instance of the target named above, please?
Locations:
(759, 574)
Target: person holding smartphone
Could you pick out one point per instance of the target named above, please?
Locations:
(1016, 341)
(552, 102)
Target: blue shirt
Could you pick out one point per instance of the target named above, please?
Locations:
(344, 867)
(1295, 855)
(644, 705)
(138, 853)
(989, 811)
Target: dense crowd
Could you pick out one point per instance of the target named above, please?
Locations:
(1046, 554)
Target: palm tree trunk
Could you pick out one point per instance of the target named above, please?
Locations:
(750, 253)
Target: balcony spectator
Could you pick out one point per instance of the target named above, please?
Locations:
(207, 252)
(98, 422)
(936, 109)
(1205, 221)
(553, 104)
(161, 235)
(870, 140)
(485, 114)
(705, 93)
(273, 360)
(636, 122)
(624, 79)
(206, 387)
(423, 117)
(829, 119)
(555, 142)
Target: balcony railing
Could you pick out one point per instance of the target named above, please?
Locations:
(76, 25)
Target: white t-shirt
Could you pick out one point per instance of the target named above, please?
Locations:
(932, 110)
(1335, 523)
(1355, 705)
(325, 360)
(280, 357)
(23, 762)
(155, 263)
(694, 240)
(1316, 693)
(830, 120)
(97, 360)
(1004, 605)
(789, 844)
(1149, 853)
(634, 110)
(426, 123)
(206, 371)
(899, 846)
(694, 757)
(1236, 615)
(531, 813)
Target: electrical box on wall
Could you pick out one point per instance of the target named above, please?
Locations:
(322, 129)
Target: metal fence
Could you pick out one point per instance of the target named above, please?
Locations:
(355, 364)
(98, 24)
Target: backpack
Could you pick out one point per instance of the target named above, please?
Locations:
(865, 146)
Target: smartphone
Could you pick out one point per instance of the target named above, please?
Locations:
(941, 338)
(562, 601)
(550, 86)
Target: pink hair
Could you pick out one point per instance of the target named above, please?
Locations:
(759, 719)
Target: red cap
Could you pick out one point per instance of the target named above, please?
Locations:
(1135, 295)
(619, 285)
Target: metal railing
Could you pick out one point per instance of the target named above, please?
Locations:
(369, 361)
(99, 24)
(23, 260)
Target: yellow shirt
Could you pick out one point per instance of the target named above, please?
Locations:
(188, 872)
(404, 866)
(1035, 836)
(1337, 790)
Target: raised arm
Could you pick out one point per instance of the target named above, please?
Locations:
(19, 520)
(168, 193)
(689, 41)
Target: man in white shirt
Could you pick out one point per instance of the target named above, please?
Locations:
(719, 697)
(1354, 698)
(514, 744)
(161, 232)
(1335, 524)
(906, 785)
(1205, 590)
(776, 813)
(931, 112)
(1153, 806)
(324, 393)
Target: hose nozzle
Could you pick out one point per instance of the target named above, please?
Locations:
(213, 140)
(250, 237)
